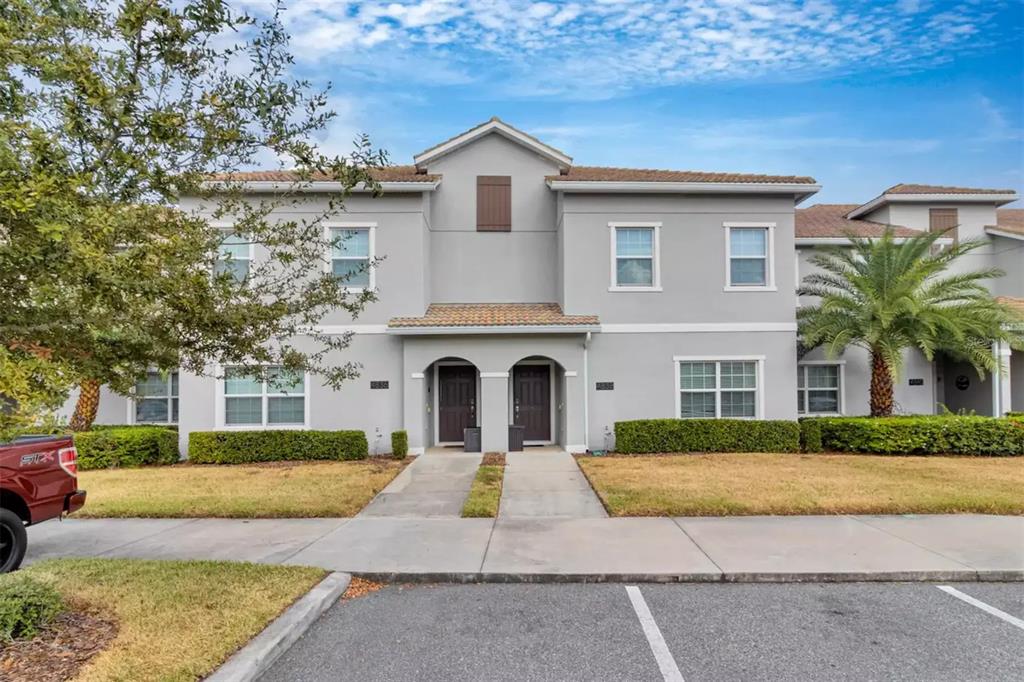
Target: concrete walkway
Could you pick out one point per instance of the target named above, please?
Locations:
(766, 548)
(547, 483)
(435, 485)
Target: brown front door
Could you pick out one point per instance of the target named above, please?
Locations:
(456, 401)
(531, 400)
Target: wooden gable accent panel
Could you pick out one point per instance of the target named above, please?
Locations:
(941, 219)
(493, 203)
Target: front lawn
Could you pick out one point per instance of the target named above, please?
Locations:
(175, 620)
(746, 484)
(291, 489)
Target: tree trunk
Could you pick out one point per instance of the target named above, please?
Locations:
(87, 405)
(881, 386)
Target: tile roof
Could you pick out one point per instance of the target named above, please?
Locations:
(607, 174)
(1015, 303)
(904, 188)
(829, 220)
(386, 174)
(1010, 220)
(494, 315)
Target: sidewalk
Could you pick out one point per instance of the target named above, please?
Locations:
(547, 482)
(779, 549)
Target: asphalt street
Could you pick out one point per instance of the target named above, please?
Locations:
(667, 632)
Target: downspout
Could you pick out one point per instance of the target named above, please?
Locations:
(996, 378)
(586, 393)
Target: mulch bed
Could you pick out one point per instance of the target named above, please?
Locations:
(493, 459)
(60, 650)
(360, 587)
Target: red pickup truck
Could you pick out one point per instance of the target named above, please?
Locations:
(38, 481)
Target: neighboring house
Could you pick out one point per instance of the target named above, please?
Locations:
(519, 288)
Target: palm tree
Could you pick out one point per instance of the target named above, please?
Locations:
(887, 295)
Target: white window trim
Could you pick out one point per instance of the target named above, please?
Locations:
(130, 417)
(759, 390)
(219, 407)
(371, 227)
(655, 257)
(842, 387)
(769, 284)
(228, 229)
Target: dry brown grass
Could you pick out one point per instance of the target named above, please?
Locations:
(293, 489)
(745, 484)
(176, 620)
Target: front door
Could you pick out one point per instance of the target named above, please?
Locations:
(531, 400)
(456, 401)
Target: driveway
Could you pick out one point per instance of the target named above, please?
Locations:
(664, 632)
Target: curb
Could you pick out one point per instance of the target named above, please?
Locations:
(252, 660)
(753, 577)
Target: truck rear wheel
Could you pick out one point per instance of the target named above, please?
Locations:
(13, 541)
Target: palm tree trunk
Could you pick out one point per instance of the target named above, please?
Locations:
(87, 405)
(881, 386)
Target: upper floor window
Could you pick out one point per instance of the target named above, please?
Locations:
(635, 259)
(942, 219)
(712, 388)
(351, 255)
(156, 399)
(750, 262)
(235, 256)
(819, 388)
(279, 400)
(493, 203)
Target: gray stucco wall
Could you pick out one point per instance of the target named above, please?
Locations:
(857, 375)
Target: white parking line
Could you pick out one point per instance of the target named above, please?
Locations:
(667, 664)
(1003, 615)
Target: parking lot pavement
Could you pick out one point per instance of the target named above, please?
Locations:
(665, 632)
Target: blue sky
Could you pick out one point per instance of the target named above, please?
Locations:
(859, 95)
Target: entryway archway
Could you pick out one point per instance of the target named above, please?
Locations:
(535, 390)
(456, 400)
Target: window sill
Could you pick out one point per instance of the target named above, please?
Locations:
(636, 290)
(819, 414)
(733, 289)
(262, 427)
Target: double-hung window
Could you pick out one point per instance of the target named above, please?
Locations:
(635, 265)
(156, 399)
(819, 388)
(277, 401)
(235, 256)
(712, 389)
(351, 255)
(749, 257)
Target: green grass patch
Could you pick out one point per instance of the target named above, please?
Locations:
(250, 491)
(485, 495)
(176, 620)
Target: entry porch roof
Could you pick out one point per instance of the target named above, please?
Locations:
(491, 318)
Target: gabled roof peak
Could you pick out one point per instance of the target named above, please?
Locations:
(497, 126)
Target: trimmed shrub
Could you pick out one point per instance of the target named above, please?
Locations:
(26, 606)
(706, 435)
(242, 447)
(130, 446)
(399, 444)
(923, 435)
(810, 435)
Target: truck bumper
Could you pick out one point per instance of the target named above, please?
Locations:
(74, 501)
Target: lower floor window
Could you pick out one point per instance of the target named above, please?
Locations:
(710, 389)
(156, 399)
(277, 400)
(818, 388)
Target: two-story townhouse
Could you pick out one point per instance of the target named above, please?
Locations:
(519, 288)
(925, 387)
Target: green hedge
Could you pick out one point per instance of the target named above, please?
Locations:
(706, 435)
(129, 446)
(922, 435)
(240, 447)
(26, 606)
(810, 435)
(399, 444)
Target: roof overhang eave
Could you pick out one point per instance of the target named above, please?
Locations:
(264, 186)
(965, 198)
(495, 329)
(998, 232)
(800, 191)
(563, 161)
(845, 241)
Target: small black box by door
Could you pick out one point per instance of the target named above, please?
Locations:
(515, 437)
(471, 439)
